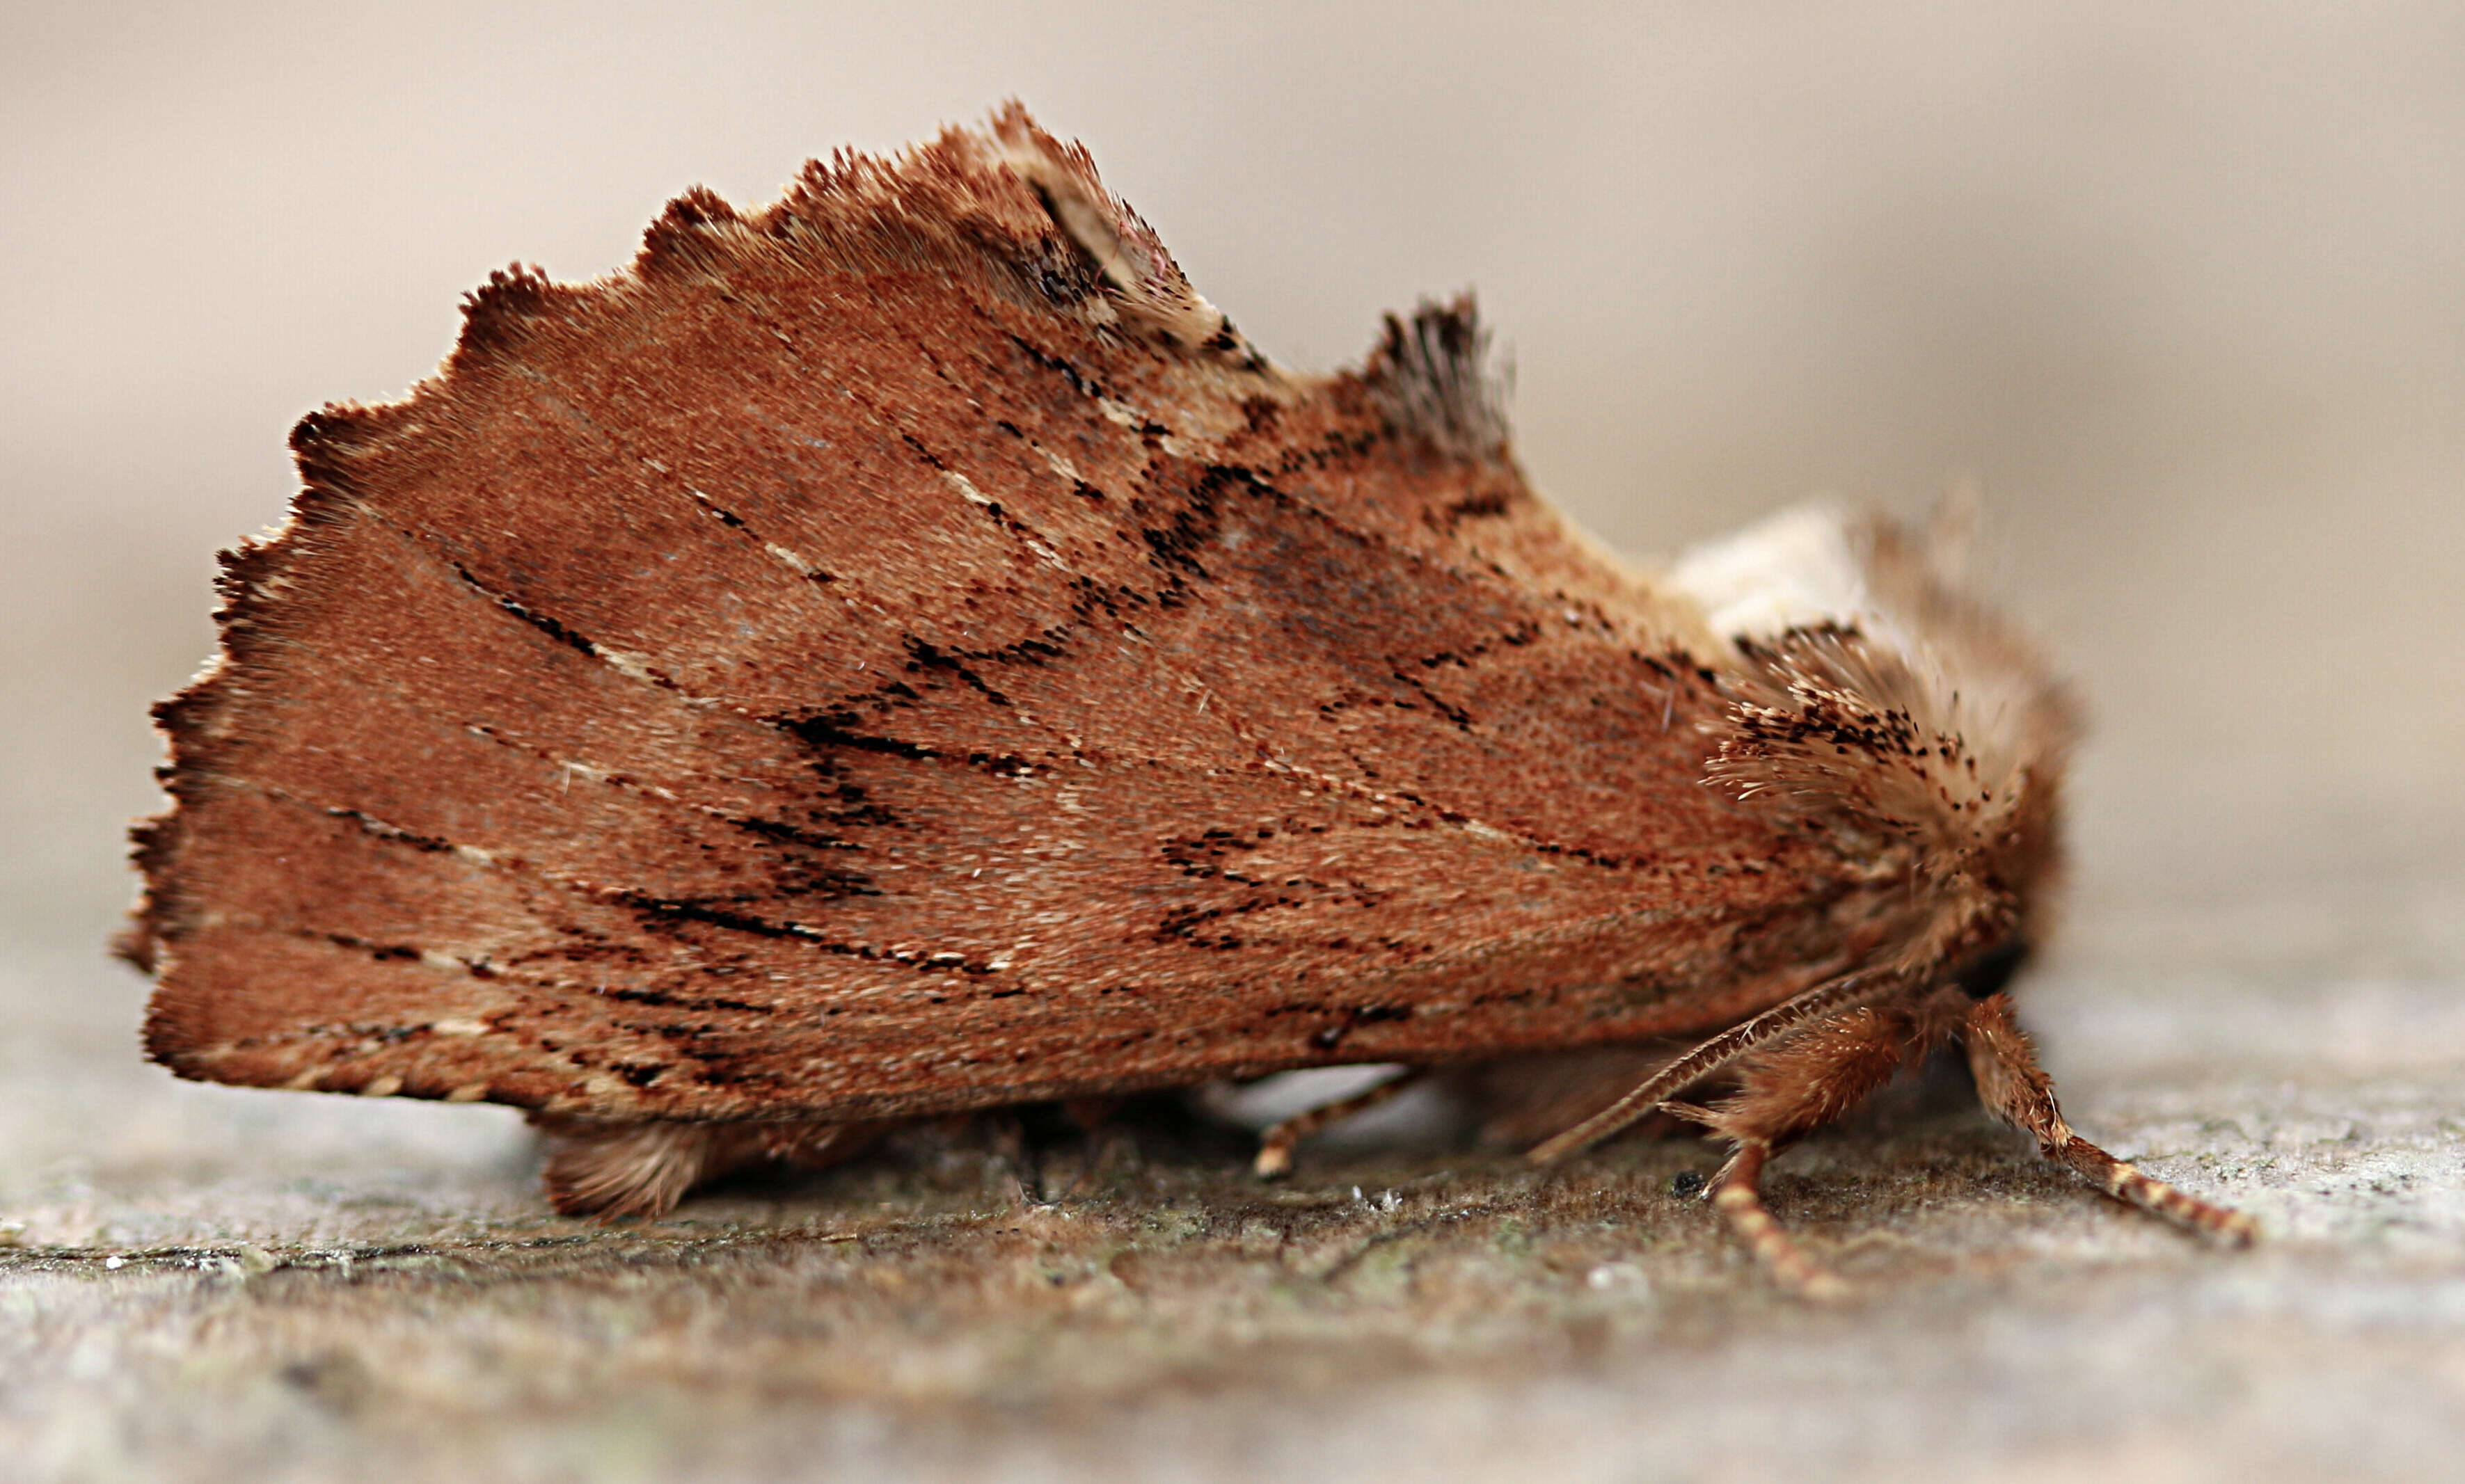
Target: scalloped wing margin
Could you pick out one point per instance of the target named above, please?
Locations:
(1058, 697)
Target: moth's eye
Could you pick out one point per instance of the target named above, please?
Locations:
(1985, 975)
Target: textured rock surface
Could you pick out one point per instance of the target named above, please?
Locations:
(212, 1283)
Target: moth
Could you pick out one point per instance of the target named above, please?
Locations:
(903, 651)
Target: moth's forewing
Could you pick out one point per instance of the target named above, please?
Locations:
(865, 659)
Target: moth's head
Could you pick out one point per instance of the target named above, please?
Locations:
(1875, 697)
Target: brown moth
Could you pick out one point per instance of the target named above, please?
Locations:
(903, 651)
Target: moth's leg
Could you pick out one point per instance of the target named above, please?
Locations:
(643, 1169)
(1736, 1194)
(1800, 1083)
(2014, 1088)
(1274, 1159)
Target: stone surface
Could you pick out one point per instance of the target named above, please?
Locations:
(209, 1283)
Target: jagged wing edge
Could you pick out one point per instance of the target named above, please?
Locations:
(1010, 207)
(1005, 208)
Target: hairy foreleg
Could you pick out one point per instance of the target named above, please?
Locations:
(1809, 1079)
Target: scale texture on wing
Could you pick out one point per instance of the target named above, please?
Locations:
(904, 651)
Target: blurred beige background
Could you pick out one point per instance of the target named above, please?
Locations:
(2183, 288)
